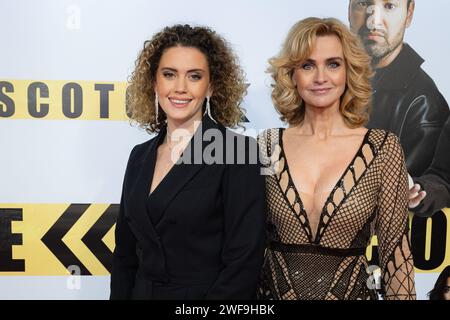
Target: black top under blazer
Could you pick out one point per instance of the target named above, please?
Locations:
(200, 233)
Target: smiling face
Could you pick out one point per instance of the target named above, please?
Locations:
(381, 25)
(321, 79)
(182, 84)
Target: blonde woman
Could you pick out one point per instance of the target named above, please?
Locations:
(332, 183)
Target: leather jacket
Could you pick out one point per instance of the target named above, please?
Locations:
(407, 102)
(436, 180)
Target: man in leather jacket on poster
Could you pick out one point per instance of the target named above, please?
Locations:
(405, 99)
(436, 180)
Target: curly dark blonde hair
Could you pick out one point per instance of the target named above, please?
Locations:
(227, 77)
(355, 102)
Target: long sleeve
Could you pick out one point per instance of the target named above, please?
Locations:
(436, 180)
(392, 225)
(243, 249)
(421, 132)
(125, 261)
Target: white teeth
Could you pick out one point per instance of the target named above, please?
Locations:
(180, 101)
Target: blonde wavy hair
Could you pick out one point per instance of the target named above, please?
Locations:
(298, 46)
(227, 77)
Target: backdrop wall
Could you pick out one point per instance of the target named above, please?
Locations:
(65, 138)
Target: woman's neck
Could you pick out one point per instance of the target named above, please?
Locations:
(182, 128)
(322, 122)
(178, 132)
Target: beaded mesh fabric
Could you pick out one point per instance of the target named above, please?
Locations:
(369, 199)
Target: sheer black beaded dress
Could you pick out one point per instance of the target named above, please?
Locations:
(329, 262)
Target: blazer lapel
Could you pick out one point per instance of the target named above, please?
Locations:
(140, 190)
(177, 178)
(189, 164)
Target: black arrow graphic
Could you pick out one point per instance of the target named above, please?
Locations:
(93, 238)
(53, 238)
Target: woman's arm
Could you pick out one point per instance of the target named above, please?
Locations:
(244, 229)
(125, 261)
(392, 225)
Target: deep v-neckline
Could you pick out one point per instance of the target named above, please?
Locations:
(172, 169)
(316, 236)
(161, 181)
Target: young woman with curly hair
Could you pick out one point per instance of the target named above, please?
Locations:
(333, 183)
(191, 221)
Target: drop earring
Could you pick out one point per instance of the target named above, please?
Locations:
(156, 108)
(208, 110)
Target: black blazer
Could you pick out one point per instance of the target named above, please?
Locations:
(203, 237)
